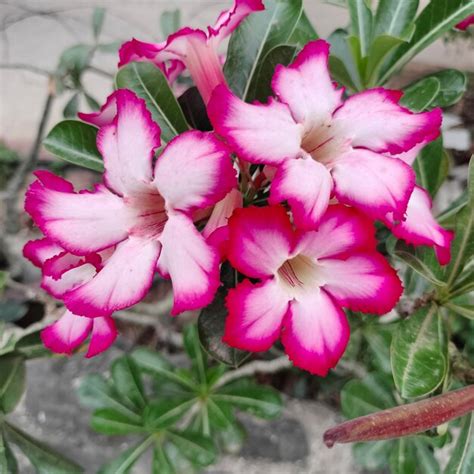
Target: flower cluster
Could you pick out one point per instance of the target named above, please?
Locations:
(321, 167)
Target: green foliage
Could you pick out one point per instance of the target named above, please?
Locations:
(462, 458)
(184, 417)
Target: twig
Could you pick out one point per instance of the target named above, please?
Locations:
(101, 72)
(252, 368)
(27, 68)
(11, 219)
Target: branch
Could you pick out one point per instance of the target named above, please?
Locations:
(404, 420)
(27, 68)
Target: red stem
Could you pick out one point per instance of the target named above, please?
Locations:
(404, 420)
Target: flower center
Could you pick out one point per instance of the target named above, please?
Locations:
(300, 274)
(323, 143)
(148, 212)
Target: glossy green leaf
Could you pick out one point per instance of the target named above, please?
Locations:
(379, 337)
(281, 54)
(127, 381)
(361, 23)
(259, 400)
(197, 448)
(427, 463)
(432, 166)
(153, 363)
(170, 22)
(393, 17)
(402, 457)
(254, 38)
(124, 463)
(211, 325)
(303, 33)
(164, 413)
(43, 458)
(447, 218)
(112, 422)
(438, 17)
(413, 259)
(462, 457)
(341, 62)
(161, 463)
(98, 17)
(463, 309)
(75, 142)
(95, 392)
(12, 381)
(373, 455)
(30, 346)
(418, 353)
(195, 352)
(453, 86)
(149, 83)
(361, 397)
(418, 96)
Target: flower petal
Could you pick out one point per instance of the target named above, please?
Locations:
(194, 171)
(38, 251)
(67, 333)
(315, 332)
(103, 336)
(190, 262)
(260, 240)
(373, 119)
(230, 19)
(342, 231)
(128, 145)
(373, 183)
(123, 281)
(80, 222)
(259, 133)
(307, 186)
(106, 114)
(65, 261)
(135, 50)
(306, 86)
(421, 228)
(73, 278)
(362, 282)
(222, 211)
(255, 315)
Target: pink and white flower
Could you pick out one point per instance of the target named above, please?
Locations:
(63, 271)
(194, 49)
(306, 278)
(322, 146)
(141, 214)
(466, 23)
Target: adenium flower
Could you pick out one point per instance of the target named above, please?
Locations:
(306, 278)
(140, 214)
(196, 49)
(322, 146)
(61, 272)
(463, 25)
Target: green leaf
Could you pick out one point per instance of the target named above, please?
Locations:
(30, 346)
(195, 352)
(164, 413)
(153, 363)
(43, 458)
(463, 309)
(12, 381)
(261, 401)
(438, 17)
(98, 17)
(127, 381)
(72, 106)
(75, 142)
(379, 337)
(303, 33)
(95, 392)
(361, 23)
(74, 60)
(418, 353)
(112, 422)
(91, 102)
(11, 311)
(393, 17)
(149, 83)
(361, 397)
(161, 464)
(453, 86)
(211, 325)
(373, 455)
(418, 96)
(412, 258)
(8, 462)
(427, 463)
(402, 458)
(170, 22)
(432, 166)
(195, 447)
(281, 54)
(254, 38)
(124, 463)
(462, 457)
